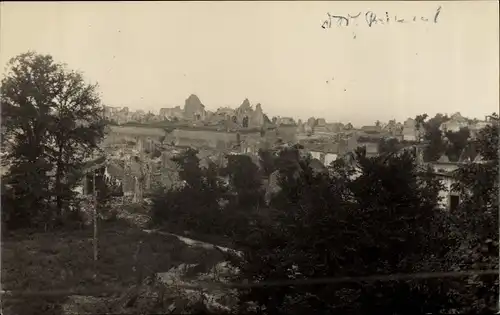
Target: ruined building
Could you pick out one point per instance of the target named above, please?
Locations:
(194, 110)
(246, 117)
(285, 121)
(171, 113)
(301, 127)
(257, 119)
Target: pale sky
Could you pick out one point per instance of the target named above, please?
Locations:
(148, 55)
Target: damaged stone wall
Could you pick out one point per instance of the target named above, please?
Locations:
(194, 110)
(200, 137)
(247, 117)
(171, 113)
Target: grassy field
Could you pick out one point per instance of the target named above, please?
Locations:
(64, 261)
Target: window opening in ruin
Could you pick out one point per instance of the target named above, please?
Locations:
(454, 201)
(245, 122)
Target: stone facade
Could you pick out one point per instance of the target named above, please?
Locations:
(247, 117)
(117, 114)
(201, 137)
(221, 116)
(301, 127)
(243, 114)
(257, 119)
(287, 133)
(141, 137)
(320, 125)
(394, 129)
(311, 122)
(138, 116)
(335, 127)
(285, 121)
(410, 130)
(194, 110)
(171, 113)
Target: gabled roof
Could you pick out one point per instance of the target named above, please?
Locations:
(317, 166)
(115, 170)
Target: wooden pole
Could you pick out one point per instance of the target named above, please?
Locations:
(95, 216)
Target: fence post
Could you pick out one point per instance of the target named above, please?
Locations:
(95, 216)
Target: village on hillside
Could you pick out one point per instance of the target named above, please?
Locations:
(147, 142)
(159, 158)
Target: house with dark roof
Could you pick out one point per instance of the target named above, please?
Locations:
(444, 169)
(454, 124)
(329, 150)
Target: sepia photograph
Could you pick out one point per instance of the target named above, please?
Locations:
(249, 157)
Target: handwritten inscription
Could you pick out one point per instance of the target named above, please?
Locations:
(371, 19)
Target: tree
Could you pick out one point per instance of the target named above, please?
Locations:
(457, 142)
(478, 186)
(77, 128)
(244, 179)
(436, 146)
(388, 145)
(420, 120)
(104, 193)
(434, 136)
(54, 121)
(420, 124)
(190, 170)
(267, 160)
(196, 204)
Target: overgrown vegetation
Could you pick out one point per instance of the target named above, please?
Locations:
(63, 261)
(442, 142)
(378, 215)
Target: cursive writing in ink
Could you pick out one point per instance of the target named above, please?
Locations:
(437, 14)
(398, 20)
(341, 20)
(371, 19)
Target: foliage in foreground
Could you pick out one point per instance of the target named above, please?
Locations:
(52, 122)
(377, 216)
